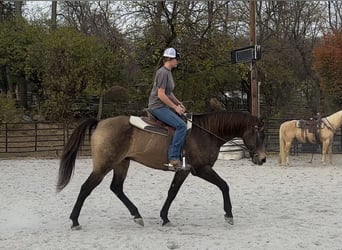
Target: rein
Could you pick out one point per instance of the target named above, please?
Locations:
(329, 125)
(211, 133)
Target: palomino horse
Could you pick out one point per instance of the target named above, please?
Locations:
(115, 142)
(326, 129)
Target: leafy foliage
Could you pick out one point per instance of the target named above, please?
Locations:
(93, 49)
(8, 110)
(15, 38)
(71, 65)
(328, 63)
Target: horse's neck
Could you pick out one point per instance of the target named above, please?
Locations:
(219, 134)
(335, 119)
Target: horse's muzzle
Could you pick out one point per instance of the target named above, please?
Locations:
(258, 159)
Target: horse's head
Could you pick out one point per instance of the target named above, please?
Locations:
(253, 139)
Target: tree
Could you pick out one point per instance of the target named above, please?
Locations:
(71, 66)
(204, 70)
(328, 63)
(334, 14)
(15, 38)
(7, 11)
(288, 32)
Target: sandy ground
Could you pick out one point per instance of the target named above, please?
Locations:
(298, 207)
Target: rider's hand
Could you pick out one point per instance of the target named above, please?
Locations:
(180, 110)
(183, 107)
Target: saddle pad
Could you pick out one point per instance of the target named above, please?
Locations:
(139, 123)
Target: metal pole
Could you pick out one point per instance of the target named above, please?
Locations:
(254, 82)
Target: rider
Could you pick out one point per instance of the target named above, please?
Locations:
(164, 105)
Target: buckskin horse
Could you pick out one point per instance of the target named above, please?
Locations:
(326, 127)
(115, 142)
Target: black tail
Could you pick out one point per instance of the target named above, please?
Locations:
(67, 163)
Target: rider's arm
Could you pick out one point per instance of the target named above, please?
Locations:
(165, 99)
(175, 100)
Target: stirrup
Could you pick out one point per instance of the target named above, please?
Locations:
(178, 167)
(172, 167)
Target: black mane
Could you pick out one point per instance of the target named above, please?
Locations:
(223, 122)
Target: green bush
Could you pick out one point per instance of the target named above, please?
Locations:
(8, 110)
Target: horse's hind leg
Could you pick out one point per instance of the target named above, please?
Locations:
(208, 174)
(88, 186)
(176, 183)
(116, 186)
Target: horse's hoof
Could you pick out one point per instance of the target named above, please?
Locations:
(230, 220)
(168, 224)
(139, 221)
(76, 228)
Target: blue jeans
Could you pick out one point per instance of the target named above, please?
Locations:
(166, 115)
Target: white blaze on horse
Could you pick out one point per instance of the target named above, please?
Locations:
(313, 131)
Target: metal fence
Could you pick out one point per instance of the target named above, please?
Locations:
(31, 139)
(22, 139)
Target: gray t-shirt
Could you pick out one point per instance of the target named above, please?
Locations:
(163, 79)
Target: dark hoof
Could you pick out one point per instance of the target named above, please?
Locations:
(139, 221)
(230, 220)
(168, 224)
(76, 228)
(165, 222)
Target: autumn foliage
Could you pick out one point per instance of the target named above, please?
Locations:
(328, 63)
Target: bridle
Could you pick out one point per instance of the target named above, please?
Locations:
(256, 127)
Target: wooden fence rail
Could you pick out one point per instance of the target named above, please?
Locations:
(32, 139)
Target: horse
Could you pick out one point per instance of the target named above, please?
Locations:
(115, 142)
(327, 127)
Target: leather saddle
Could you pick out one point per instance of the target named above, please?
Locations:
(151, 124)
(312, 125)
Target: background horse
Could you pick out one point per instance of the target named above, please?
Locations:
(114, 142)
(289, 131)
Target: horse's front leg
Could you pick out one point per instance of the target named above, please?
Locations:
(330, 153)
(208, 174)
(287, 153)
(325, 149)
(176, 183)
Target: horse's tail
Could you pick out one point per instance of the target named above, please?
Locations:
(67, 163)
(281, 145)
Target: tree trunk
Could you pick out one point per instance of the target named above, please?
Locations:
(18, 8)
(54, 15)
(22, 92)
(100, 110)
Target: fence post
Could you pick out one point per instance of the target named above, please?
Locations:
(65, 133)
(6, 138)
(35, 136)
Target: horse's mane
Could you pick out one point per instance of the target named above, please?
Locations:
(221, 121)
